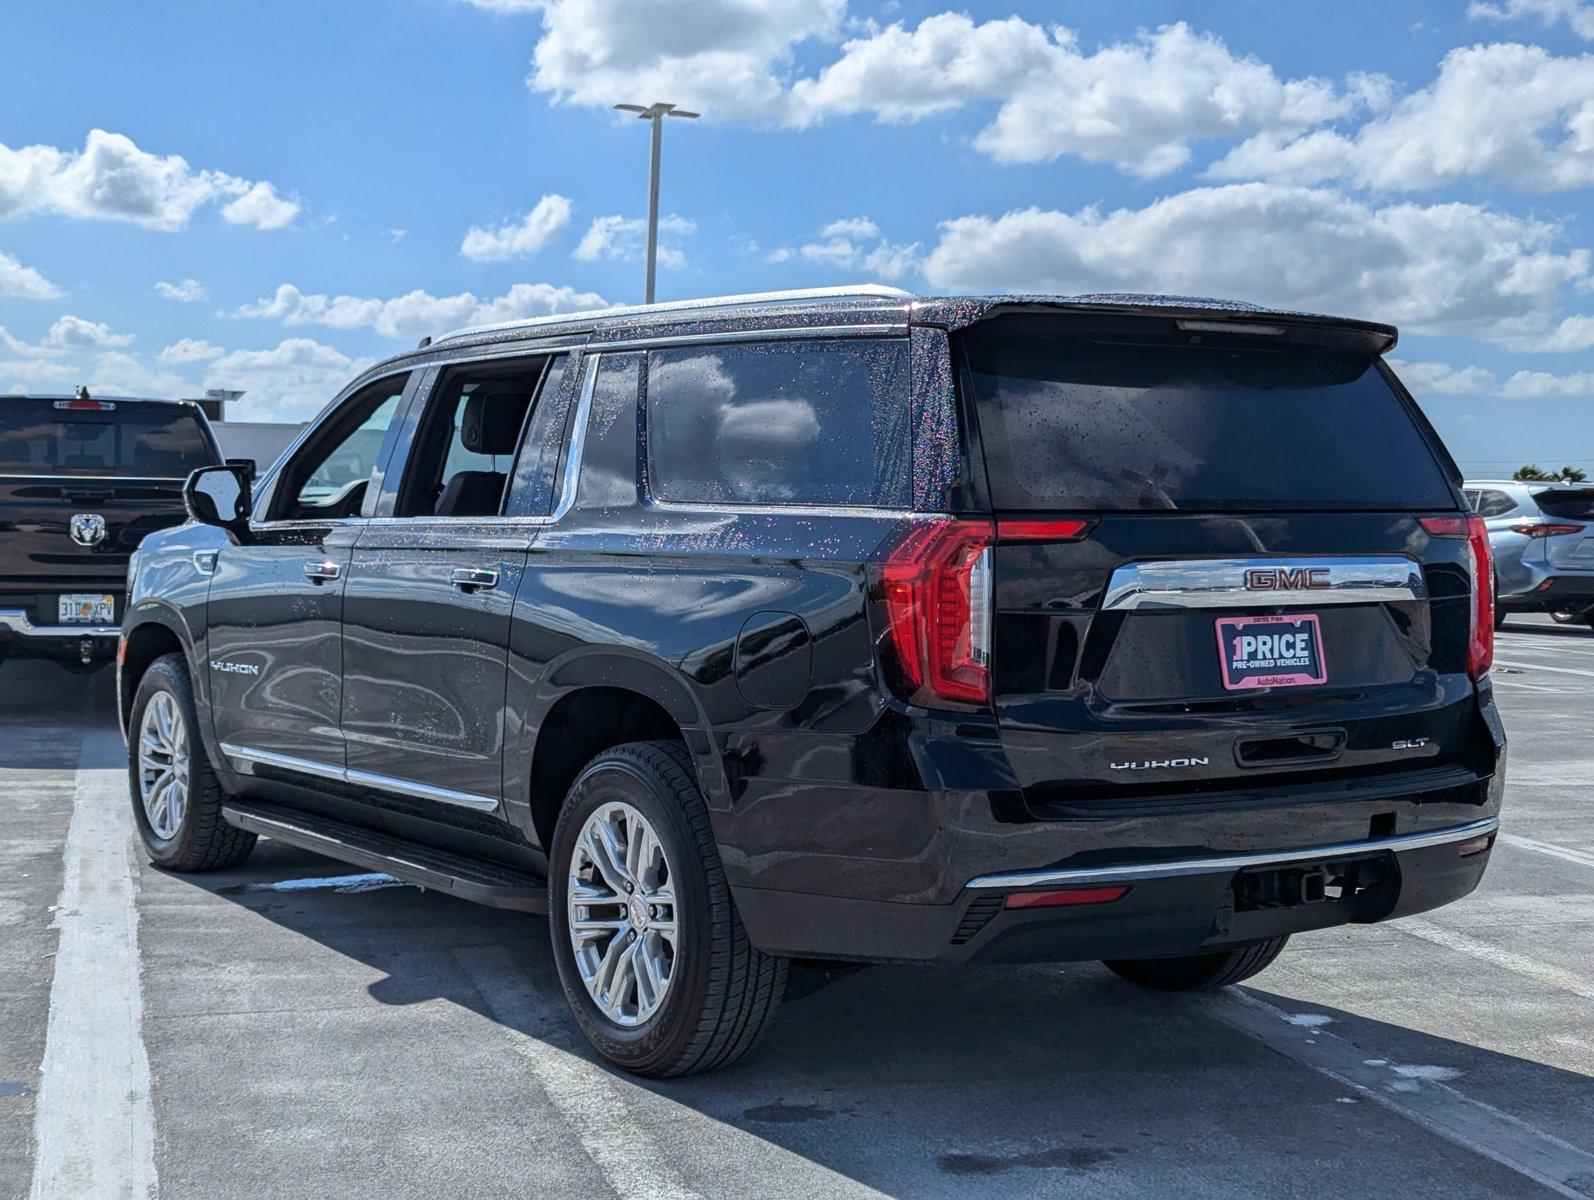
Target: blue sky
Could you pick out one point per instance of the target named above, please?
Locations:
(304, 178)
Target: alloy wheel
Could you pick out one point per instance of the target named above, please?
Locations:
(163, 765)
(620, 909)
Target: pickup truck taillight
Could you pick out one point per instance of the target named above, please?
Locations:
(1480, 646)
(937, 588)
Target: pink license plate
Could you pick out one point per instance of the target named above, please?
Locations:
(1266, 652)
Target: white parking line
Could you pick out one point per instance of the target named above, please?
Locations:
(1528, 968)
(1582, 858)
(1527, 666)
(1416, 1094)
(93, 1128)
(591, 1100)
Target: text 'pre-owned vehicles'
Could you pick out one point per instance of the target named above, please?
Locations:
(847, 626)
(1542, 538)
(82, 480)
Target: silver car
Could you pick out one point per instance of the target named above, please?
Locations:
(1542, 534)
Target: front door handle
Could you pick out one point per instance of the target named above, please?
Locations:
(322, 572)
(471, 579)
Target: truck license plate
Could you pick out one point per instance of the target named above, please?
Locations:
(86, 608)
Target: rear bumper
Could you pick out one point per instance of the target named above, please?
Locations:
(1552, 593)
(1171, 907)
(22, 637)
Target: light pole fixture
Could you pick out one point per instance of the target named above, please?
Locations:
(655, 112)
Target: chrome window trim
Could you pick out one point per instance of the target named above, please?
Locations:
(782, 334)
(241, 755)
(1220, 583)
(699, 507)
(589, 361)
(1137, 872)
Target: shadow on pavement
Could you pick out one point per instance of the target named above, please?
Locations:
(919, 1081)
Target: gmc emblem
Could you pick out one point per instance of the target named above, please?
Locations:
(1286, 579)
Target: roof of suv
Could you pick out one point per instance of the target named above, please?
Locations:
(109, 399)
(954, 312)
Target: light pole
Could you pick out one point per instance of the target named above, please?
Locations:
(655, 112)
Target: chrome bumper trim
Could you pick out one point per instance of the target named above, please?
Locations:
(1137, 872)
(241, 755)
(18, 621)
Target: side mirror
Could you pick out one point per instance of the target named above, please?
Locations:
(219, 496)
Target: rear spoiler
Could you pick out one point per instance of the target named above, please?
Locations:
(1174, 315)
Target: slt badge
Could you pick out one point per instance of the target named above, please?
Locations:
(88, 529)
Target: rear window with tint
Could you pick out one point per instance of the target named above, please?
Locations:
(821, 422)
(1568, 504)
(38, 439)
(1076, 422)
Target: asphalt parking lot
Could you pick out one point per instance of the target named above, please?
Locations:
(283, 1030)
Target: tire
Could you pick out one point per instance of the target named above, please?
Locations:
(1199, 972)
(721, 993)
(198, 840)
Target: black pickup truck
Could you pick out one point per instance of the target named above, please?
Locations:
(82, 481)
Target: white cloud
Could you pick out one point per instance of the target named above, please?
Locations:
(186, 291)
(1578, 14)
(112, 179)
(74, 333)
(122, 374)
(625, 238)
(520, 238)
(23, 282)
(1567, 336)
(258, 204)
(1137, 104)
(1441, 379)
(721, 57)
(855, 244)
(1449, 268)
(289, 382)
(190, 350)
(1516, 113)
(1539, 385)
(417, 313)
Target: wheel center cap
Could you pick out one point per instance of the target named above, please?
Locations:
(638, 912)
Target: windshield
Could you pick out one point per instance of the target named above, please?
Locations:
(1570, 504)
(1099, 422)
(134, 440)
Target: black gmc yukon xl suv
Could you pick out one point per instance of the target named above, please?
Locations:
(843, 626)
(82, 481)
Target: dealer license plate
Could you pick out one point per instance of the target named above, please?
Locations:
(1268, 652)
(86, 608)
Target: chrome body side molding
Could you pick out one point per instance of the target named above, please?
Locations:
(1138, 872)
(1263, 582)
(245, 757)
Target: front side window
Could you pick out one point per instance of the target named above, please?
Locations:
(329, 476)
(821, 422)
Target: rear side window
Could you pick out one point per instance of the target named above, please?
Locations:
(153, 441)
(812, 422)
(1569, 504)
(1494, 504)
(1104, 422)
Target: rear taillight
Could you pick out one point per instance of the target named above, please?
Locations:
(1480, 646)
(937, 586)
(1544, 529)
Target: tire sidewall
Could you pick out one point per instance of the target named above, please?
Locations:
(170, 676)
(617, 777)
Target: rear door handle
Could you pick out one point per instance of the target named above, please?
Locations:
(322, 572)
(471, 579)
